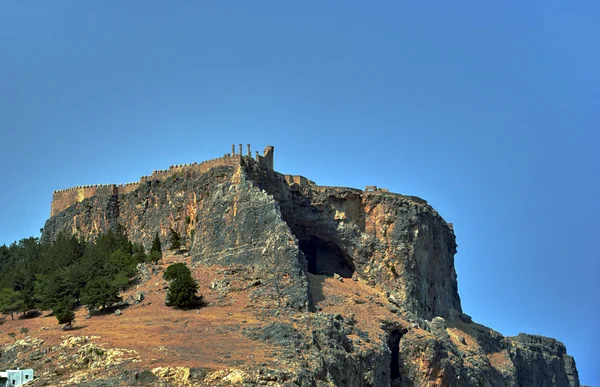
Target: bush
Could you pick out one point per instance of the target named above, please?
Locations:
(154, 256)
(139, 255)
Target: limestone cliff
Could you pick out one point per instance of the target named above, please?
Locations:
(288, 234)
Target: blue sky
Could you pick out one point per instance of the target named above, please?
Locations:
(490, 111)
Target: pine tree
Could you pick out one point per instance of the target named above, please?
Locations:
(176, 270)
(182, 292)
(139, 255)
(156, 250)
(183, 288)
(10, 302)
(64, 313)
(156, 246)
(100, 293)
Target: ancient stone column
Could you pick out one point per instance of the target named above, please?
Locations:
(232, 150)
(257, 156)
(249, 152)
(241, 154)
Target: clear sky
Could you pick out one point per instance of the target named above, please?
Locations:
(488, 110)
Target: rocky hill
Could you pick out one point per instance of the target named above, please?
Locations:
(307, 285)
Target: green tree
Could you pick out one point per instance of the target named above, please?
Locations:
(64, 313)
(156, 246)
(183, 288)
(154, 256)
(139, 255)
(120, 261)
(176, 270)
(120, 281)
(52, 288)
(24, 283)
(10, 302)
(100, 293)
(156, 250)
(183, 293)
(62, 252)
(174, 239)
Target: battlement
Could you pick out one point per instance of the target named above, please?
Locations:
(64, 198)
(297, 179)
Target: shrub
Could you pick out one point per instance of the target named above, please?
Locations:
(154, 256)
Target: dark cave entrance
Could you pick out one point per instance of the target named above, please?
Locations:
(394, 345)
(325, 258)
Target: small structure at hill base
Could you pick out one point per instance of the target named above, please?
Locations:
(10, 378)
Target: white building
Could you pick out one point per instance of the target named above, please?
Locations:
(10, 378)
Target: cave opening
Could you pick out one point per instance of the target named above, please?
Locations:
(394, 345)
(325, 258)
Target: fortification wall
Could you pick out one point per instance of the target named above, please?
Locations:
(203, 167)
(297, 179)
(63, 199)
(127, 188)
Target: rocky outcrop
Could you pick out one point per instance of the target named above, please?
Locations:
(397, 242)
(537, 358)
(282, 233)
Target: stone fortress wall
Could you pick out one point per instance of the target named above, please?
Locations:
(64, 198)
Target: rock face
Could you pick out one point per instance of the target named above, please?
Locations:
(397, 242)
(285, 232)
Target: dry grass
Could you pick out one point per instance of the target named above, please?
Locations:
(207, 337)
